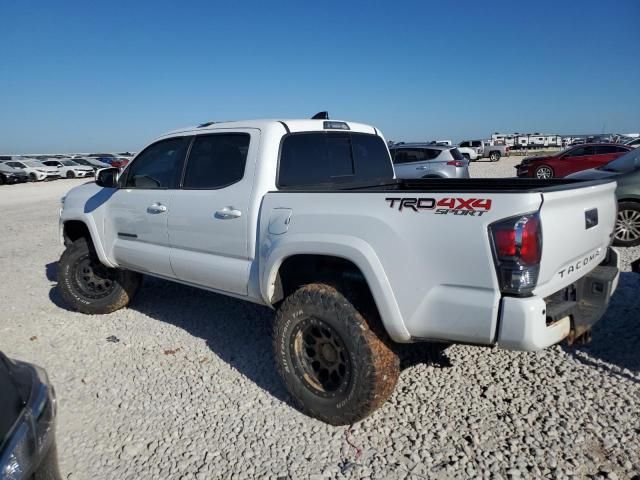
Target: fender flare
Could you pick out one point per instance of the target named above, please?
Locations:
(89, 222)
(355, 250)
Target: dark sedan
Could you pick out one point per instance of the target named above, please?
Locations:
(12, 175)
(626, 172)
(27, 421)
(571, 160)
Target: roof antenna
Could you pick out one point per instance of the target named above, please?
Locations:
(321, 116)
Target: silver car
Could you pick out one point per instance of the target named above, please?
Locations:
(424, 160)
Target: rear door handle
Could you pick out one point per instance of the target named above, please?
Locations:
(228, 213)
(156, 208)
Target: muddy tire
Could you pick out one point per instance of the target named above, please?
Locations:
(338, 365)
(88, 286)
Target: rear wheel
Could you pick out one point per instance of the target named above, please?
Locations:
(90, 287)
(494, 156)
(544, 172)
(332, 362)
(627, 230)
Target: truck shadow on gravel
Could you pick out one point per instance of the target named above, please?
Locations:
(236, 331)
(616, 337)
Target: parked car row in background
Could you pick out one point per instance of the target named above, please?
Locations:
(37, 168)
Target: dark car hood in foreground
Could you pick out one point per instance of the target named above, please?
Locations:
(592, 174)
(15, 387)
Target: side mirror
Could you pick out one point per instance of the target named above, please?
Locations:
(108, 177)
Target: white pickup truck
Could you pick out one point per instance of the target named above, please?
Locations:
(483, 150)
(305, 216)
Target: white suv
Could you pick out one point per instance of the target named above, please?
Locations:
(427, 160)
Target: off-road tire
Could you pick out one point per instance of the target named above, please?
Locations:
(123, 287)
(494, 156)
(373, 365)
(627, 237)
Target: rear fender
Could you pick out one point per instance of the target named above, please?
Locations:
(349, 248)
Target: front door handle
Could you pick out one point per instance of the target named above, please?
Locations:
(421, 168)
(228, 213)
(156, 208)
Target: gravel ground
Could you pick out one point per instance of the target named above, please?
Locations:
(188, 390)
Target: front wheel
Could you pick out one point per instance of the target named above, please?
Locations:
(544, 172)
(627, 230)
(33, 177)
(88, 286)
(332, 362)
(70, 174)
(494, 156)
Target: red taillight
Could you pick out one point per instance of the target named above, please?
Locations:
(506, 243)
(518, 248)
(456, 163)
(530, 243)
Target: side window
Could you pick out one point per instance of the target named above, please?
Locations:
(216, 161)
(159, 166)
(409, 155)
(314, 158)
(476, 144)
(431, 153)
(465, 144)
(606, 149)
(576, 152)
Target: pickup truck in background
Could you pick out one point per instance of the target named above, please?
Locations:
(306, 217)
(486, 150)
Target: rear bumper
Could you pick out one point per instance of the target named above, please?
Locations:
(534, 323)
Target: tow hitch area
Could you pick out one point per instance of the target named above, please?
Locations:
(584, 301)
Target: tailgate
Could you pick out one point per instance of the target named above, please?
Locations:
(577, 228)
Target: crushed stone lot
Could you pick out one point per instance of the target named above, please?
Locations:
(182, 384)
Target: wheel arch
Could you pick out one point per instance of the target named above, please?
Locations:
(73, 229)
(287, 269)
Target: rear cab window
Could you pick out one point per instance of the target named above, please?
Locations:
(326, 158)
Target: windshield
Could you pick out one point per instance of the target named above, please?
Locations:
(628, 162)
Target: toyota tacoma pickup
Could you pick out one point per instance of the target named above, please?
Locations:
(307, 217)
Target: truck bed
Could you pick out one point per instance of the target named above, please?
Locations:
(451, 185)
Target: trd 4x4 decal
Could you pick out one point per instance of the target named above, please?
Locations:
(444, 206)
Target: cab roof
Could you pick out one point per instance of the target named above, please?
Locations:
(287, 125)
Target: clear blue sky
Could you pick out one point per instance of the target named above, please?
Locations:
(88, 76)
